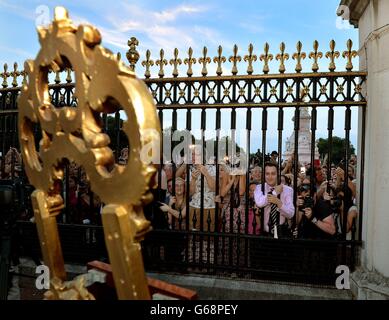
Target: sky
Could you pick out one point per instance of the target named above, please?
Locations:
(171, 24)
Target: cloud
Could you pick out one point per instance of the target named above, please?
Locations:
(173, 14)
(19, 52)
(159, 28)
(18, 10)
(252, 28)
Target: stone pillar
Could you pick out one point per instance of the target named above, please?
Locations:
(371, 280)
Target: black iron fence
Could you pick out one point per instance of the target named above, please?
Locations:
(220, 237)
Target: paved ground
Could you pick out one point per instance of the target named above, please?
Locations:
(208, 288)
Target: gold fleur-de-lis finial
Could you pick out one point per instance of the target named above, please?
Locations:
(189, 61)
(282, 56)
(161, 62)
(57, 79)
(147, 63)
(266, 57)
(234, 59)
(132, 53)
(219, 60)
(298, 56)
(332, 55)
(204, 60)
(349, 54)
(24, 74)
(69, 75)
(250, 58)
(15, 74)
(315, 55)
(5, 76)
(175, 62)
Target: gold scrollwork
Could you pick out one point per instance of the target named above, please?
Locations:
(102, 85)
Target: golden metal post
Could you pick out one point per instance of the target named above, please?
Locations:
(15, 74)
(5, 76)
(190, 61)
(132, 54)
(250, 58)
(234, 59)
(147, 63)
(68, 75)
(123, 220)
(219, 60)
(161, 62)
(332, 55)
(315, 55)
(204, 60)
(266, 57)
(282, 56)
(349, 54)
(175, 62)
(298, 56)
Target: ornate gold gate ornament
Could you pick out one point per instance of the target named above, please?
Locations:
(103, 85)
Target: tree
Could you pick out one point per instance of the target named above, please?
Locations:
(338, 148)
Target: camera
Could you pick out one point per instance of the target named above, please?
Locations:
(308, 200)
(308, 203)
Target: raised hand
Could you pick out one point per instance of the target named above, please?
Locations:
(273, 199)
(279, 188)
(308, 213)
(195, 174)
(172, 201)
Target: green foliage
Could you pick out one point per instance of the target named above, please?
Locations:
(338, 148)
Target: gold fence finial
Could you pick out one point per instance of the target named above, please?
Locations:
(189, 61)
(266, 57)
(118, 56)
(161, 62)
(132, 53)
(147, 64)
(332, 55)
(298, 56)
(250, 58)
(57, 78)
(315, 55)
(282, 57)
(349, 54)
(24, 74)
(204, 60)
(220, 59)
(234, 59)
(68, 75)
(15, 74)
(175, 62)
(5, 76)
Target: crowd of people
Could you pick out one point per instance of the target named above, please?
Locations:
(82, 205)
(323, 207)
(321, 196)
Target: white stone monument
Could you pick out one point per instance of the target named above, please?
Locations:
(304, 140)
